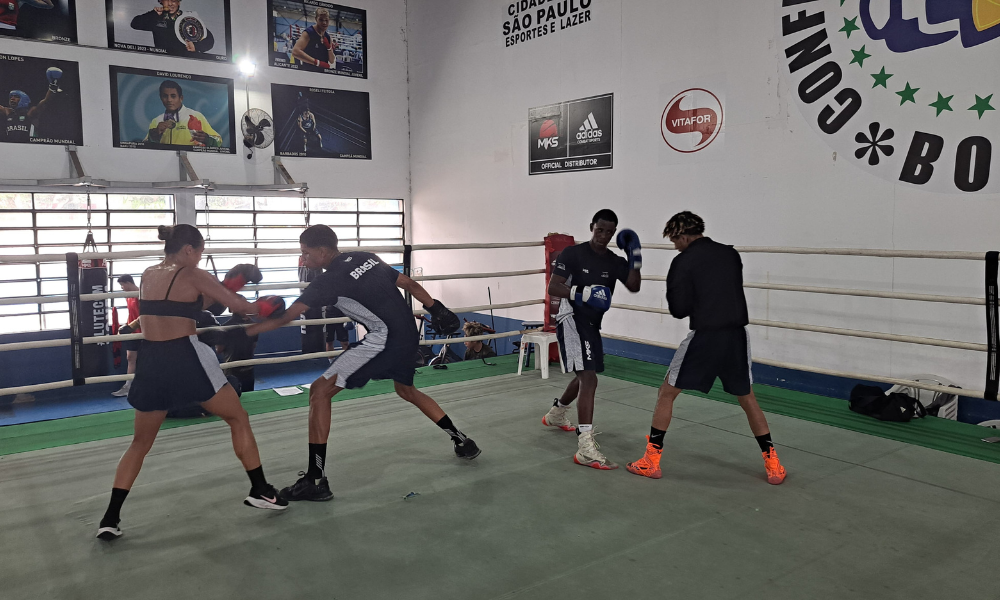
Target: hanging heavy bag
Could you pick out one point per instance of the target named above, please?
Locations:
(95, 359)
(873, 402)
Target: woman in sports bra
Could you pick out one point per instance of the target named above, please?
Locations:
(174, 369)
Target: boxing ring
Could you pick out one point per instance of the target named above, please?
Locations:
(521, 521)
(660, 343)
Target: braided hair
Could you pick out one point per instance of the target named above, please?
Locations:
(684, 223)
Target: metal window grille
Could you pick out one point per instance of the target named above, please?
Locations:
(46, 223)
(276, 222)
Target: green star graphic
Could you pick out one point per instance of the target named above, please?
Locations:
(842, 2)
(982, 105)
(881, 78)
(907, 95)
(860, 56)
(850, 26)
(941, 104)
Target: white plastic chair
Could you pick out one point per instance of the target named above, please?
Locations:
(541, 340)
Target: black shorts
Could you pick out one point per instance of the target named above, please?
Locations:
(372, 360)
(336, 332)
(580, 344)
(175, 374)
(131, 345)
(705, 355)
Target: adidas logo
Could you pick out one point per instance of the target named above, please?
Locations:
(589, 131)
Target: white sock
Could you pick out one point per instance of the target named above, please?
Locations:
(584, 428)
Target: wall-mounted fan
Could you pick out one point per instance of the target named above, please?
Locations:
(258, 130)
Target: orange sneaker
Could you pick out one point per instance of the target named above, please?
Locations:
(649, 464)
(775, 472)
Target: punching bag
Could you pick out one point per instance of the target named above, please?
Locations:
(95, 359)
(555, 243)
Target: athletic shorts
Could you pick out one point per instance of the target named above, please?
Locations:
(336, 332)
(364, 362)
(131, 345)
(705, 355)
(580, 344)
(175, 374)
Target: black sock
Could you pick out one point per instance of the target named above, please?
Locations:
(457, 436)
(113, 515)
(656, 437)
(317, 461)
(257, 480)
(764, 441)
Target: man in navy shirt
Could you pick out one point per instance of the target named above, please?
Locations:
(315, 47)
(584, 277)
(365, 289)
(705, 283)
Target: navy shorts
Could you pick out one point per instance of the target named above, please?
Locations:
(580, 344)
(175, 374)
(336, 332)
(372, 360)
(705, 355)
(131, 345)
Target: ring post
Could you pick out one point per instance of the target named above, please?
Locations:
(76, 339)
(992, 333)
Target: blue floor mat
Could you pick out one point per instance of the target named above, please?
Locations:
(93, 399)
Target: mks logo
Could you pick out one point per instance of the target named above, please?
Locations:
(548, 134)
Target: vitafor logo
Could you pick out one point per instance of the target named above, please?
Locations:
(905, 89)
(548, 135)
(692, 120)
(589, 132)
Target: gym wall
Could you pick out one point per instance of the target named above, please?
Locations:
(771, 179)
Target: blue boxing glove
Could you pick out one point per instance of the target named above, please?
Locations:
(628, 241)
(54, 74)
(597, 297)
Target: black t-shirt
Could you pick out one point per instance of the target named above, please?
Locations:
(705, 282)
(582, 266)
(363, 287)
(18, 126)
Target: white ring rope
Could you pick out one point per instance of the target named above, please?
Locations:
(938, 254)
(104, 339)
(852, 292)
(874, 335)
(818, 370)
(221, 251)
(41, 387)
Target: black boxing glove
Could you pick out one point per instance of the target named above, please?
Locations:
(240, 275)
(443, 320)
(125, 330)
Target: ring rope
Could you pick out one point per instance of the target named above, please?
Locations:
(41, 387)
(103, 339)
(874, 335)
(818, 370)
(939, 254)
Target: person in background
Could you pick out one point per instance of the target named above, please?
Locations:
(131, 326)
(476, 350)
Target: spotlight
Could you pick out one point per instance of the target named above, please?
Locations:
(248, 68)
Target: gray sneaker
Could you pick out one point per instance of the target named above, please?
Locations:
(589, 453)
(556, 417)
(124, 391)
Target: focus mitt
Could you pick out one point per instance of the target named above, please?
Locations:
(443, 320)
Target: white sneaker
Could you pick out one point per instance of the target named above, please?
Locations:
(589, 454)
(124, 391)
(556, 417)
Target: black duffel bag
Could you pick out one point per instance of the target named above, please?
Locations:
(872, 401)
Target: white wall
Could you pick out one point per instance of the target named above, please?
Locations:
(776, 183)
(385, 176)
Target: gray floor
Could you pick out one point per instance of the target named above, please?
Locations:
(858, 517)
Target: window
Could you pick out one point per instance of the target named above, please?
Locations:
(276, 222)
(58, 223)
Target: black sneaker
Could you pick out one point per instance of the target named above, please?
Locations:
(306, 488)
(266, 498)
(108, 532)
(467, 449)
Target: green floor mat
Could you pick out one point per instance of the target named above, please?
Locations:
(940, 434)
(88, 428)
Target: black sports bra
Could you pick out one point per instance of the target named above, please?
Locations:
(172, 308)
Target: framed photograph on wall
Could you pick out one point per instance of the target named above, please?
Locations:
(321, 123)
(186, 28)
(43, 20)
(322, 37)
(42, 105)
(164, 110)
